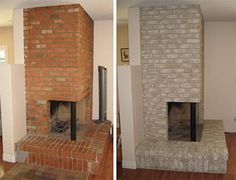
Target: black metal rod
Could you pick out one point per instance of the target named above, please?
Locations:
(193, 121)
(73, 121)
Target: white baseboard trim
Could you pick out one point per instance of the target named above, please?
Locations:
(129, 164)
(9, 158)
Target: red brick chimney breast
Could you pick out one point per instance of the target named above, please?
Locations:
(58, 43)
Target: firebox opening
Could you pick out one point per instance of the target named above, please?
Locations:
(61, 115)
(183, 121)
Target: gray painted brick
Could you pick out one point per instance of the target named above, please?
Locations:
(172, 59)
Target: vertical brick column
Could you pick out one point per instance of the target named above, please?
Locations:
(172, 62)
(58, 43)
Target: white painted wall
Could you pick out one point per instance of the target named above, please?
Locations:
(18, 101)
(126, 117)
(12, 107)
(220, 73)
(18, 36)
(103, 56)
(7, 116)
(137, 91)
(131, 112)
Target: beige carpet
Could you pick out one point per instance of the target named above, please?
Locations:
(27, 172)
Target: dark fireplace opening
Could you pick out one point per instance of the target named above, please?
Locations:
(59, 121)
(63, 119)
(183, 121)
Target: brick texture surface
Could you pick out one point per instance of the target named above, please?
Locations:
(86, 155)
(210, 155)
(58, 42)
(172, 62)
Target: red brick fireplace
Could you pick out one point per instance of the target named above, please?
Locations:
(58, 42)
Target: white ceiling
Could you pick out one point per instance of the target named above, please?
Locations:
(97, 9)
(213, 10)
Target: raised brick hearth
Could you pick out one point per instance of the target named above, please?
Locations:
(210, 155)
(86, 154)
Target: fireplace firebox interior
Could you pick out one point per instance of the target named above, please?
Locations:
(62, 119)
(183, 121)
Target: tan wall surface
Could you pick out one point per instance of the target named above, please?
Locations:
(103, 56)
(6, 38)
(122, 41)
(220, 73)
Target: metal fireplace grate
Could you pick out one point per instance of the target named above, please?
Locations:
(58, 126)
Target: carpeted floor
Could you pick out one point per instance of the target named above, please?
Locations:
(26, 172)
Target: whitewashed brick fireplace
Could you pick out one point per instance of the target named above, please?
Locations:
(172, 73)
(172, 62)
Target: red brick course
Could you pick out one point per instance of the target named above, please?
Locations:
(58, 44)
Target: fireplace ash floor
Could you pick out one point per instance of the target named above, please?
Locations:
(86, 154)
(81, 130)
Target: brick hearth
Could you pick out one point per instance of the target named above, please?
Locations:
(210, 155)
(86, 155)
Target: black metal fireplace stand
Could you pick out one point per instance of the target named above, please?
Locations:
(73, 121)
(193, 119)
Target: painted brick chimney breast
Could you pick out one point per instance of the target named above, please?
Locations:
(172, 62)
(58, 43)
